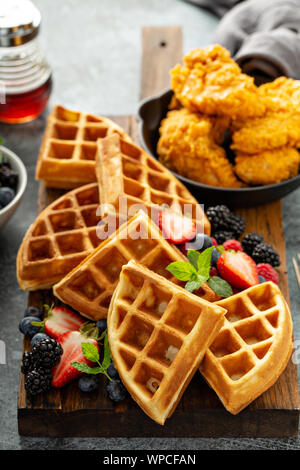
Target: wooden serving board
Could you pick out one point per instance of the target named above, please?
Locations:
(71, 413)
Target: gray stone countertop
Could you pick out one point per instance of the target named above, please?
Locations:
(94, 50)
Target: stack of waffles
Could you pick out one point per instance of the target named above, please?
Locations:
(67, 154)
(110, 261)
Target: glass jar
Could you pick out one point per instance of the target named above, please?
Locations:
(25, 76)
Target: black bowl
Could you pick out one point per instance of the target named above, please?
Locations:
(152, 110)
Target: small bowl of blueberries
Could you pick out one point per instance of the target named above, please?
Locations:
(13, 180)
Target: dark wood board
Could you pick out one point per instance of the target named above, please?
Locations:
(70, 413)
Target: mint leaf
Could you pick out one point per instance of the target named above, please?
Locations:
(107, 356)
(220, 287)
(182, 270)
(193, 285)
(90, 352)
(83, 367)
(193, 257)
(204, 262)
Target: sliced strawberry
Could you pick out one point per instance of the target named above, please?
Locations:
(71, 342)
(60, 320)
(238, 269)
(176, 228)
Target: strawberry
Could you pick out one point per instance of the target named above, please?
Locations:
(70, 341)
(268, 272)
(60, 320)
(176, 228)
(233, 245)
(238, 269)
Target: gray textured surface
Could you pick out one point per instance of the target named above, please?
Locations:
(94, 49)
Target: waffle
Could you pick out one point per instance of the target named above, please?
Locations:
(158, 334)
(89, 287)
(125, 170)
(67, 154)
(60, 238)
(252, 348)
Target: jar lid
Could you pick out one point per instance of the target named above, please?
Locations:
(19, 22)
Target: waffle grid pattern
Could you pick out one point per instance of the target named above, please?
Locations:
(148, 318)
(141, 180)
(70, 145)
(61, 236)
(90, 286)
(254, 322)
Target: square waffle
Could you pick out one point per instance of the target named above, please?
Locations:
(253, 347)
(158, 334)
(67, 154)
(127, 171)
(60, 238)
(88, 288)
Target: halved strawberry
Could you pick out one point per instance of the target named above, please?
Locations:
(176, 228)
(60, 320)
(238, 269)
(71, 342)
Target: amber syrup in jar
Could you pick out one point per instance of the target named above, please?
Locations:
(25, 76)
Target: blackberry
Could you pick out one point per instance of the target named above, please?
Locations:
(222, 236)
(27, 362)
(237, 225)
(47, 352)
(218, 216)
(265, 253)
(250, 241)
(222, 219)
(38, 381)
(116, 390)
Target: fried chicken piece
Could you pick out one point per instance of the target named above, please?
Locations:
(278, 127)
(269, 166)
(187, 145)
(210, 82)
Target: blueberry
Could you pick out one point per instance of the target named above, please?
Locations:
(88, 383)
(26, 328)
(112, 371)
(6, 196)
(101, 325)
(38, 337)
(200, 242)
(33, 312)
(116, 390)
(214, 257)
(8, 177)
(261, 279)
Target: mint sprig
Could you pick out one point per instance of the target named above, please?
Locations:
(197, 271)
(90, 352)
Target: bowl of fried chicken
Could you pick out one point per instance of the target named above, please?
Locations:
(227, 139)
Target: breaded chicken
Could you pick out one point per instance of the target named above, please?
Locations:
(188, 145)
(269, 166)
(278, 127)
(210, 82)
